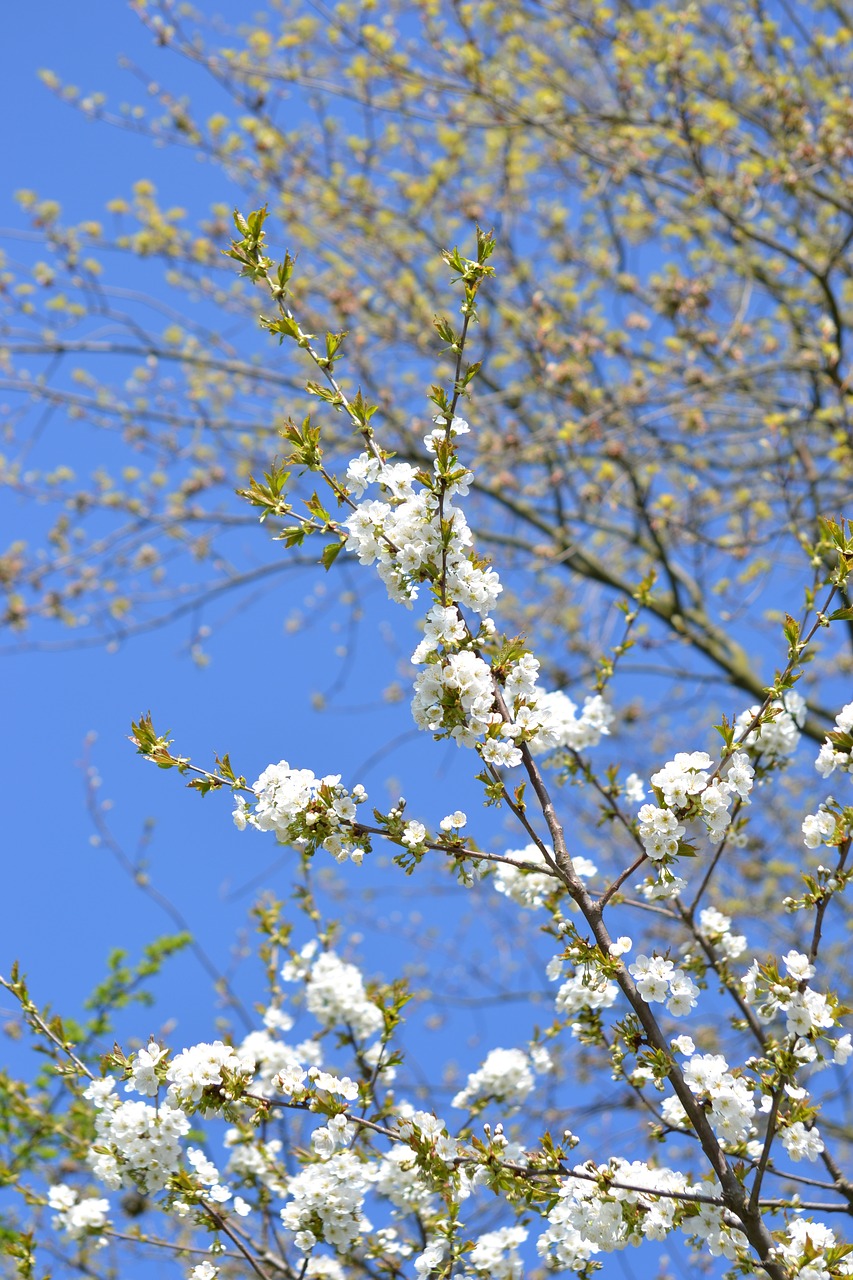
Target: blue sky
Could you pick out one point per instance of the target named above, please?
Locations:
(68, 902)
(72, 902)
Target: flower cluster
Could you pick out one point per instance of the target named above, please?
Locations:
(731, 1098)
(203, 1271)
(837, 749)
(455, 696)
(802, 1143)
(316, 1149)
(400, 1180)
(426, 1133)
(334, 991)
(728, 1097)
(819, 828)
(687, 791)
(415, 535)
(587, 1221)
(582, 987)
(531, 888)
(75, 1216)
(256, 1162)
(204, 1066)
(658, 980)
(550, 720)
(136, 1145)
(306, 812)
(808, 1013)
(209, 1181)
(716, 928)
(443, 629)
(496, 1253)
(325, 1203)
(806, 1248)
(271, 1058)
(418, 533)
(337, 1133)
(506, 1076)
(779, 737)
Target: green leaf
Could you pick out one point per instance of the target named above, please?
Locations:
(331, 551)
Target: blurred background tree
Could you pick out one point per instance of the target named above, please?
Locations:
(665, 363)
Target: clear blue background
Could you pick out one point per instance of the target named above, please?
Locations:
(68, 902)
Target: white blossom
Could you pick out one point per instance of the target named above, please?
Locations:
(77, 1217)
(802, 1143)
(325, 1202)
(336, 996)
(506, 1076)
(777, 738)
(495, 1253)
(832, 756)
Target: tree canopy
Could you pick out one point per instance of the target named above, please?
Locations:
(663, 384)
(535, 310)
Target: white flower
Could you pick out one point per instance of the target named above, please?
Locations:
(818, 828)
(684, 776)
(716, 927)
(506, 1076)
(527, 888)
(204, 1271)
(808, 1011)
(812, 1240)
(495, 1254)
(502, 755)
(843, 1049)
(200, 1068)
(290, 1080)
(779, 737)
(798, 966)
(443, 627)
(582, 990)
(143, 1078)
(100, 1092)
(77, 1218)
(682, 995)
(206, 1171)
(137, 1144)
(414, 834)
(660, 832)
(739, 774)
(652, 975)
(705, 1072)
(335, 995)
(400, 1181)
(802, 1143)
(453, 821)
(432, 1256)
(831, 756)
(338, 1132)
(361, 472)
(330, 1194)
(325, 1082)
(633, 789)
